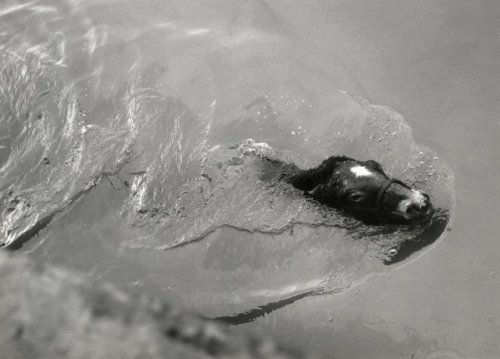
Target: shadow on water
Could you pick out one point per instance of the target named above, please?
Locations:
(434, 230)
(422, 240)
(253, 314)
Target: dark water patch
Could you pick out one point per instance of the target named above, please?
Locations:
(253, 314)
(434, 230)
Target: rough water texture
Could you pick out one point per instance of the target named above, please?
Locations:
(51, 155)
(181, 186)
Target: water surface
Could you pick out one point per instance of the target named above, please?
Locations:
(124, 154)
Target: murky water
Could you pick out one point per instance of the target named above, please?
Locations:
(124, 154)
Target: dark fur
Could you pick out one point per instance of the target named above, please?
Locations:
(333, 184)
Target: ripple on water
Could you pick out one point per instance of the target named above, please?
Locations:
(229, 206)
(184, 187)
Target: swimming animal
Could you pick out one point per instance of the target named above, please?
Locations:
(362, 189)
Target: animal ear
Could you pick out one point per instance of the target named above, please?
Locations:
(309, 179)
(375, 165)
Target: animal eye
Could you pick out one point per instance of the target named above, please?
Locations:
(356, 197)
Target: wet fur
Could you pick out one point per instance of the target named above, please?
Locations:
(321, 182)
(333, 182)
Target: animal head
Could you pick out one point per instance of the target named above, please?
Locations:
(364, 190)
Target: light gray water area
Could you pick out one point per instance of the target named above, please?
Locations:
(132, 137)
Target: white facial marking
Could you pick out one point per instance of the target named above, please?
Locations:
(417, 196)
(403, 205)
(361, 171)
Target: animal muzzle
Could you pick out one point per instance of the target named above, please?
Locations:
(417, 207)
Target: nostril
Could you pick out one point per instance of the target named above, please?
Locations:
(413, 209)
(426, 205)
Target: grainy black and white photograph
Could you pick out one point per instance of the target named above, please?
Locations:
(249, 179)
